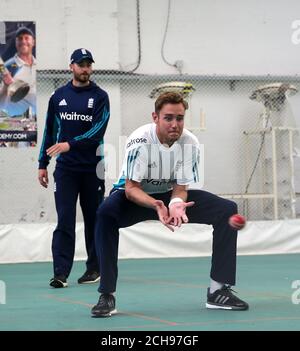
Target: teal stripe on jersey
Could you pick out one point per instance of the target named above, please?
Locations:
(56, 132)
(43, 144)
(132, 162)
(127, 166)
(195, 166)
(195, 173)
(121, 183)
(101, 146)
(130, 166)
(95, 129)
(58, 121)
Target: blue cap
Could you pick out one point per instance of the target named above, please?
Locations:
(24, 30)
(80, 55)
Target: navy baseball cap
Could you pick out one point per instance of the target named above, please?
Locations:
(24, 30)
(80, 55)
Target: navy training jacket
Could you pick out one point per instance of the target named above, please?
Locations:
(79, 116)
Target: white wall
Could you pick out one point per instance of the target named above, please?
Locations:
(211, 37)
(230, 37)
(140, 240)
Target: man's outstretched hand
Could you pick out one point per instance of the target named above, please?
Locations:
(163, 214)
(177, 214)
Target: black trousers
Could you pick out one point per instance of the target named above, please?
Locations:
(68, 186)
(118, 212)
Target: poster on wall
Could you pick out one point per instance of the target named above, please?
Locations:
(18, 125)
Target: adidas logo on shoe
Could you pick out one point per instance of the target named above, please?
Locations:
(224, 299)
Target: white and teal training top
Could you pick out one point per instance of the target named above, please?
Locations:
(156, 166)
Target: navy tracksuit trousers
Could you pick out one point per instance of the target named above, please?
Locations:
(118, 212)
(68, 186)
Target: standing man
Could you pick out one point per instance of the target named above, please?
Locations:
(20, 72)
(77, 118)
(161, 160)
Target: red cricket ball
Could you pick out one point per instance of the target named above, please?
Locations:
(237, 221)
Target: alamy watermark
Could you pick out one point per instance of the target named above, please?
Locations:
(295, 38)
(296, 294)
(2, 292)
(151, 161)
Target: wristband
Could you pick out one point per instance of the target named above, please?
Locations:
(176, 199)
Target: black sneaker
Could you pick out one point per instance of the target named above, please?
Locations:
(89, 277)
(59, 281)
(225, 300)
(105, 307)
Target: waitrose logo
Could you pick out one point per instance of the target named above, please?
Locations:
(74, 116)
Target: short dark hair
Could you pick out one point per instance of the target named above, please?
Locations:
(170, 97)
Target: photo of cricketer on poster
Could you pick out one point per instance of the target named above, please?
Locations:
(18, 126)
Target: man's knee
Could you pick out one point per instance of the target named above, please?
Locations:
(230, 207)
(102, 210)
(106, 209)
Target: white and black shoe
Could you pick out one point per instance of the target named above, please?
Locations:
(224, 299)
(89, 277)
(105, 307)
(59, 281)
